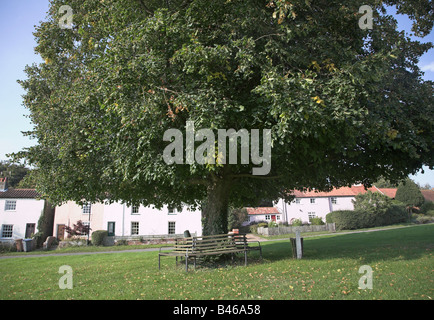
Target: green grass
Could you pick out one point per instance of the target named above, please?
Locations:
(401, 260)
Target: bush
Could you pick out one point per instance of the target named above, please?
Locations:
(422, 219)
(272, 224)
(427, 207)
(296, 223)
(346, 219)
(317, 221)
(357, 219)
(430, 213)
(98, 237)
(254, 226)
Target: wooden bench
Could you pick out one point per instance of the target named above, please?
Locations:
(194, 247)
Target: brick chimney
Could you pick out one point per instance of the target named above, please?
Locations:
(3, 184)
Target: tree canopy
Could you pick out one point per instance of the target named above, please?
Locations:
(344, 104)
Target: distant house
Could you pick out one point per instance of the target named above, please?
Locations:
(428, 195)
(263, 214)
(310, 204)
(121, 220)
(20, 210)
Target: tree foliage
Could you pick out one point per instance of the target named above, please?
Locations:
(409, 194)
(14, 172)
(344, 105)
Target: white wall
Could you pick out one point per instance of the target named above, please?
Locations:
(321, 207)
(152, 221)
(262, 218)
(27, 211)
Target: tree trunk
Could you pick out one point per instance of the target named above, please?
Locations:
(215, 210)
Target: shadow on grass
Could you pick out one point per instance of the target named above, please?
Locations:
(405, 244)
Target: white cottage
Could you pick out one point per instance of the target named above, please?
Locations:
(121, 220)
(20, 210)
(310, 204)
(263, 214)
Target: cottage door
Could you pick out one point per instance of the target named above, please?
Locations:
(60, 231)
(273, 217)
(30, 230)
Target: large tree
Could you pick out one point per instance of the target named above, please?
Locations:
(344, 104)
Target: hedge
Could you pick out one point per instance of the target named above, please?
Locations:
(98, 237)
(353, 219)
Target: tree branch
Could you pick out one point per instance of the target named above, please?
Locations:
(146, 8)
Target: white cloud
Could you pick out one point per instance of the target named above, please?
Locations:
(428, 67)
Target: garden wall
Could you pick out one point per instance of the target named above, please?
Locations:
(285, 230)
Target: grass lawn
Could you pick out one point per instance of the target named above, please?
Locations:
(401, 260)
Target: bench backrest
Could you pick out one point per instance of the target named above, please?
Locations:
(211, 244)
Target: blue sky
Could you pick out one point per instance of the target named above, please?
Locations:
(17, 21)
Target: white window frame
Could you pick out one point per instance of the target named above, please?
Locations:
(297, 200)
(135, 210)
(311, 215)
(312, 200)
(86, 208)
(267, 217)
(171, 227)
(334, 200)
(11, 205)
(135, 228)
(11, 231)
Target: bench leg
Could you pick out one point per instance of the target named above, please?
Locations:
(186, 264)
(159, 264)
(245, 257)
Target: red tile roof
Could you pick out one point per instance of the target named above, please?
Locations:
(344, 192)
(428, 194)
(390, 192)
(262, 210)
(19, 193)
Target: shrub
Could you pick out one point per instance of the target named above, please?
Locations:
(427, 207)
(346, 219)
(98, 237)
(317, 221)
(397, 213)
(272, 224)
(296, 223)
(424, 219)
(254, 226)
(430, 213)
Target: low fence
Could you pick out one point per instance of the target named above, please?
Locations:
(331, 227)
(144, 239)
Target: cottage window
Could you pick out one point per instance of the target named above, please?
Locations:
(111, 228)
(267, 217)
(334, 200)
(312, 200)
(311, 215)
(171, 210)
(134, 227)
(135, 210)
(171, 227)
(86, 208)
(297, 200)
(7, 230)
(11, 205)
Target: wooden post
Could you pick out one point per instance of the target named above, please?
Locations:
(298, 244)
